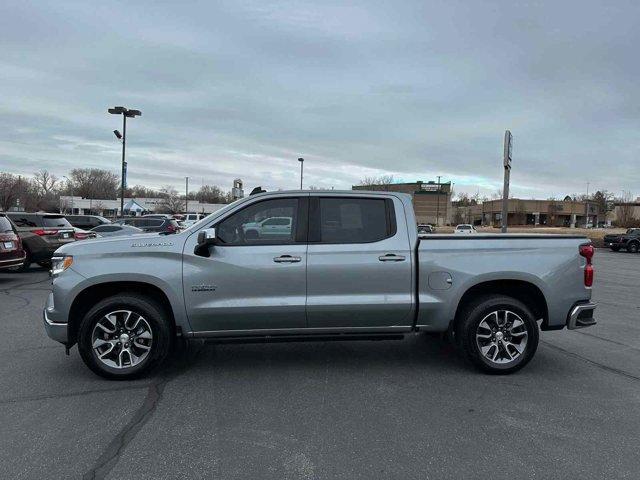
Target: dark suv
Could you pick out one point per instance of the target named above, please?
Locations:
(41, 235)
(630, 241)
(86, 222)
(160, 225)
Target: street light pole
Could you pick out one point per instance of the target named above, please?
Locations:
(124, 144)
(301, 160)
(125, 112)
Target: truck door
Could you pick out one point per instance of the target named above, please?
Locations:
(359, 263)
(250, 282)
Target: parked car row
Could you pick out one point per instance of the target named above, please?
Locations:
(27, 238)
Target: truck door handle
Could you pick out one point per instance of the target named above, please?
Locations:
(391, 257)
(287, 259)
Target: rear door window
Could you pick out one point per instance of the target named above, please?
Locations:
(352, 220)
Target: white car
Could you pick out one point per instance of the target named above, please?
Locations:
(465, 229)
(191, 218)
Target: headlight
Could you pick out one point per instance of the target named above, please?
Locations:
(60, 264)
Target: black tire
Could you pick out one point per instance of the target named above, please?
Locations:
(481, 309)
(251, 235)
(632, 247)
(615, 248)
(157, 320)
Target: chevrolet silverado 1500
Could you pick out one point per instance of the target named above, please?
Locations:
(351, 265)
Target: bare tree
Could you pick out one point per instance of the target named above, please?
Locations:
(170, 201)
(94, 183)
(383, 182)
(45, 182)
(212, 194)
(8, 191)
(625, 210)
(140, 191)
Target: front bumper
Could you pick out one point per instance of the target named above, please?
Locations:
(55, 331)
(581, 316)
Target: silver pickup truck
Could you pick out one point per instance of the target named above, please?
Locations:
(350, 265)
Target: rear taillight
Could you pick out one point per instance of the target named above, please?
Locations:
(81, 236)
(171, 228)
(587, 252)
(45, 232)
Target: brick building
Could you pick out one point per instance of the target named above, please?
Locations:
(431, 200)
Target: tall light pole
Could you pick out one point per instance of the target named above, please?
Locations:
(301, 160)
(186, 194)
(125, 112)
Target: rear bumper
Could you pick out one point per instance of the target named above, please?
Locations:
(13, 262)
(581, 316)
(55, 331)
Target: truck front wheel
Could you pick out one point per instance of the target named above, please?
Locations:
(497, 333)
(124, 336)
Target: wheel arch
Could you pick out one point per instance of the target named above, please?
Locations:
(522, 290)
(92, 294)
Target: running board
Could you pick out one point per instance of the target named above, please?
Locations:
(304, 338)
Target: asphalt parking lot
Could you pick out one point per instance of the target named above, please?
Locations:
(387, 409)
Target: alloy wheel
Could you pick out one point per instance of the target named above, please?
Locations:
(501, 337)
(121, 339)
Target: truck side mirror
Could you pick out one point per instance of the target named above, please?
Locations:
(206, 238)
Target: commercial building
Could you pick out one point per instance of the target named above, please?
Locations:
(132, 206)
(551, 213)
(431, 200)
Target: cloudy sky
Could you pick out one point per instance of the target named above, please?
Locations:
(412, 89)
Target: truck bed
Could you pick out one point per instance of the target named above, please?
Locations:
(451, 265)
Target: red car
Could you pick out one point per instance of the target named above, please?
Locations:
(11, 251)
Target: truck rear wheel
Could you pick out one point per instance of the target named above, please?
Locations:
(124, 337)
(497, 333)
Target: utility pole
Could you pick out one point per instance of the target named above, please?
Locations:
(438, 205)
(301, 160)
(186, 194)
(508, 142)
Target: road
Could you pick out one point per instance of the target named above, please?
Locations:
(388, 409)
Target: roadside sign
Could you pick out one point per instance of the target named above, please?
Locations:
(508, 148)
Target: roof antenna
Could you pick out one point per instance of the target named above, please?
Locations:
(257, 190)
